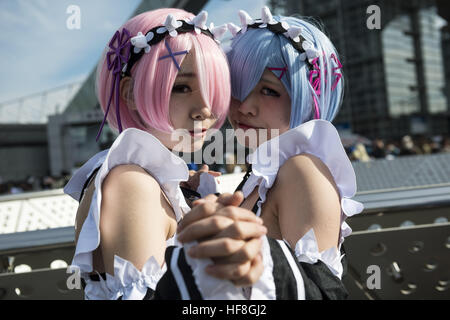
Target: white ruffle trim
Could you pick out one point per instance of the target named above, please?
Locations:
(321, 139)
(306, 250)
(132, 146)
(127, 282)
(264, 288)
(211, 288)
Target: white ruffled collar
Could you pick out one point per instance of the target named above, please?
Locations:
(316, 137)
(321, 139)
(142, 148)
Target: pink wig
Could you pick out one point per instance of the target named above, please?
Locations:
(153, 80)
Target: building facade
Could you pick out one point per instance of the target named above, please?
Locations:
(396, 76)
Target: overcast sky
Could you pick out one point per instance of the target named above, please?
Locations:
(38, 52)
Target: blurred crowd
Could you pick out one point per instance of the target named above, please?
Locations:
(381, 149)
(367, 151)
(32, 183)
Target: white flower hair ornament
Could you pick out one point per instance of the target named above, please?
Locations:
(171, 25)
(218, 31)
(246, 20)
(199, 22)
(267, 18)
(140, 42)
(310, 52)
(293, 33)
(234, 29)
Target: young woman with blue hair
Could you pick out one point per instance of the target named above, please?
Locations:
(287, 82)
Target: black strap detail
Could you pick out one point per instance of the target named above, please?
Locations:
(190, 194)
(241, 185)
(284, 279)
(86, 183)
(255, 207)
(244, 179)
(344, 261)
(95, 277)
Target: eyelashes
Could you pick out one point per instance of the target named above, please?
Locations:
(181, 88)
(269, 92)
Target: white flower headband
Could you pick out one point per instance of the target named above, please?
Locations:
(294, 33)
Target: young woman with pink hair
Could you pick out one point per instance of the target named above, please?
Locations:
(163, 71)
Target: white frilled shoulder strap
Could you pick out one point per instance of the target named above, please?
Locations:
(321, 139)
(137, 147)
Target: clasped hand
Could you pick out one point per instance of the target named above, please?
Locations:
(228, 235)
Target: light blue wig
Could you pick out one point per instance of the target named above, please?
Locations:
(257, 49)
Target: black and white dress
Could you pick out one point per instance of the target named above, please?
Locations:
(289, 273)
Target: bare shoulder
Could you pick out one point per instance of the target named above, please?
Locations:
(130, 188)
(309, 178)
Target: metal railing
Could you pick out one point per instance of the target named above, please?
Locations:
(403, 233)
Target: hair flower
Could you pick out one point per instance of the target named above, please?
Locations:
(294, 33)
(199, 21)
(245, 20)
(218, 31)
(234, 29)
(266, 17)
(141, 42)
(171, 24)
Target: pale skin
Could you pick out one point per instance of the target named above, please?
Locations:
(131, 231)
(304, 194)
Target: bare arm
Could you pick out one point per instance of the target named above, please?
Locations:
(305, 197)
(135, 218)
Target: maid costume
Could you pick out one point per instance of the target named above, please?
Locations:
(301, 272)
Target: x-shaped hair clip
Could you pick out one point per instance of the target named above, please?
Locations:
(172, 55)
